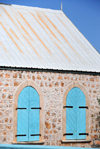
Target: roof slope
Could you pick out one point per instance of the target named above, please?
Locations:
(42, 38)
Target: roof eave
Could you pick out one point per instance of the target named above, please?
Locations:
(49, 70)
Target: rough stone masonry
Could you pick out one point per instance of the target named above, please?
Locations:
(53, 86)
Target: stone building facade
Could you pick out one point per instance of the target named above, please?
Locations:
(41, 49)
(53, 87)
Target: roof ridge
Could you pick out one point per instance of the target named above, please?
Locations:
(32, 8)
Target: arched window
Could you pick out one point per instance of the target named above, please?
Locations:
(28, 115)
(75, 114)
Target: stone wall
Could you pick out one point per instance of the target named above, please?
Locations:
(53, 87)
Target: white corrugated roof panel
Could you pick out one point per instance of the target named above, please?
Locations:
(45, 39)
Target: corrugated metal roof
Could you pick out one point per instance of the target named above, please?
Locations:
(42, 38)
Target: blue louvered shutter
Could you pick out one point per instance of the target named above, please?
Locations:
(34, 115)
(81, 114)
(22, 115)
(75, 115)
(28, 115)
(71, 117)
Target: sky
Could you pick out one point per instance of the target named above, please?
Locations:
(84, 14)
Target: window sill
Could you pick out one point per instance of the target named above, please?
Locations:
(75, 141)
(34, 142)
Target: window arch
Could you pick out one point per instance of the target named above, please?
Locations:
(28, 114)
(75, 114)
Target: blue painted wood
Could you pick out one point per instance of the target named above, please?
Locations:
(71, 117)
(75, 117)
(22, 115)
(28, 119)
(81, 114)
(10, 146)
(34, 115)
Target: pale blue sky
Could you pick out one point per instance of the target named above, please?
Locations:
(85, 14)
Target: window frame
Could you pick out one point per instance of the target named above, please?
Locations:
(17, 92)
(64, 140)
